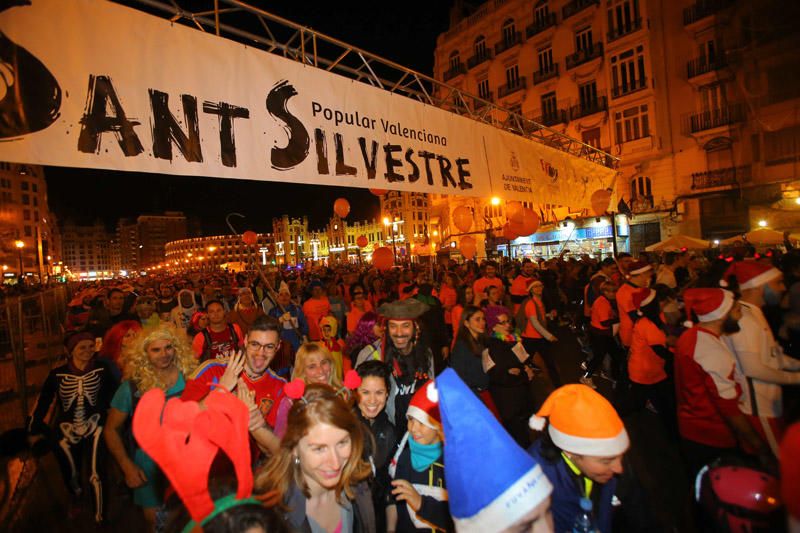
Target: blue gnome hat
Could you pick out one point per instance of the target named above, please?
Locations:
(491, 481)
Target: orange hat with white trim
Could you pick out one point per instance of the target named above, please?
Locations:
(582, 422)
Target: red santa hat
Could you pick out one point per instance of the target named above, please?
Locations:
(750, 274)
(424, 406)
(708, 304)
(639, 267)
(643, 297)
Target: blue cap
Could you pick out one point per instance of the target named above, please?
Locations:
(492, 493)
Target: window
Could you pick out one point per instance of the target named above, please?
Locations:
(708, 52)
(34, 187)
(23, 185)
(549, 104)
(587, 95)
(545, 60)
(591, 137)
(641, 187)
(712, 97)
(483, 90)
(583, 40)
(26, 214)
(35, 201)
(509, 32)
(36, 215)
(623, 18)
(631, 124)
(28, 231)
(541, 12)
(627, 71)
(480, 46)
(782, 146)
(512, 76)
(455, 60)
(26, 199)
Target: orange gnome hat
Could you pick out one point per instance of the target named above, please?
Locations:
(582, 422)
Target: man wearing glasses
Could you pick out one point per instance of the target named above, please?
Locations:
(247, 374)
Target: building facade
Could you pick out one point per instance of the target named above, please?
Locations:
(697, 99)
(88, 250)
(25, 217)
(142, 242)
(219, 251)
(407, 220)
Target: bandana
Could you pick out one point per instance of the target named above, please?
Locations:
(423, 455)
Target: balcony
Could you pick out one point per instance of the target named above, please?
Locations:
(721, 177)
(585, 109)
(454, 71)
(715, 118)
(510, 88)
(542, 76)
(702, 65)
(584, 56)
(702, 9)
(628, 88)
(508, 42)
(477, 59)
(576, 6)
(625, 29)
(539, 26)
(557, 116)
(488, 97)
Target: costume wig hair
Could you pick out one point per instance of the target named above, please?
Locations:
(112, 341)
(363, 334)
(320, 404)
(306, 351)
(137, 364)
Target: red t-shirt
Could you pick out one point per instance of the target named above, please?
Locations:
(222, 344)
(644, 365)
(268, 387)
(625, 306)
(602, 311)
(534, 307)
(448, 297)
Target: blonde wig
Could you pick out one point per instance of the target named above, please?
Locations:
(313, 348)
(137, 365)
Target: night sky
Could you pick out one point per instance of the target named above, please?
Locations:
(404, 32)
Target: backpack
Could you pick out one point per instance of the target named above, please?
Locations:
(207, 342)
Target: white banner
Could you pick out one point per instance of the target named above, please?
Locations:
(97, 85)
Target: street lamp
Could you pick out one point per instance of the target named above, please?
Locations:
(20, 245)
(388, 224)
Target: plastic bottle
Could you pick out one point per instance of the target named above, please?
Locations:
(584, 522)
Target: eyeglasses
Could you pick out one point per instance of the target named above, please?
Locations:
(358, 294)
(257, 346)
(503, 322)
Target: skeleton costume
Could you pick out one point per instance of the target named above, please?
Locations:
(83, 400)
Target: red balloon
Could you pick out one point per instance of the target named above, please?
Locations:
(250, 237)
(508, 232)
(462, 218)
(362, 241)
(382, 258)
(378, 192)
(529, 221)
(468, 247)
(341, 207)
(600, 200)
(513, 209)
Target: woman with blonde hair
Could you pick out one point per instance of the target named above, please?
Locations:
(319, 474)
(157, 358)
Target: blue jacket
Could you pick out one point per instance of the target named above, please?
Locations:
(568, 490)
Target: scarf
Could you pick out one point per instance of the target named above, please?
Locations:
(512, 337)
(423, 455)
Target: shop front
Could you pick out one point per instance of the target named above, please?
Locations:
(590, 236)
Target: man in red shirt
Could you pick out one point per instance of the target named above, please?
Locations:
(315, 308)
(519, 287)
(250, 369)
(709, 420)
(220, 339)
(489, 278)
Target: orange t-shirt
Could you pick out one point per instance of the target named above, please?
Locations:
(645, 367)
(448, 297)
(625, 306)
(602, 310)
(355, 314)
(480, 285)
(534, 307)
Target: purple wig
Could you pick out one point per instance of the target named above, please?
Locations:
(363, 334)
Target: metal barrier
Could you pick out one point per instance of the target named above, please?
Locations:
(31, 336)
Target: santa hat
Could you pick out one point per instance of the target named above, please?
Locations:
(639, 267)
(643, 297)
(424, 407)
(750, 274)
(505, 484)
(582, 422)
(708, 304)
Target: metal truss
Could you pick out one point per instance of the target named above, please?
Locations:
(253, 26)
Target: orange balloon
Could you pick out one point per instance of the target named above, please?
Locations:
(362, 241)
(341, 207)
(250, 237)
(468, 247)
(462, 218)
(600, 200)
(508, 232)
(513, 209)
(529, 221)
(382, 258)
(378, 192)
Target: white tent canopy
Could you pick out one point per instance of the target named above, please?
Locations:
(678, 243)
